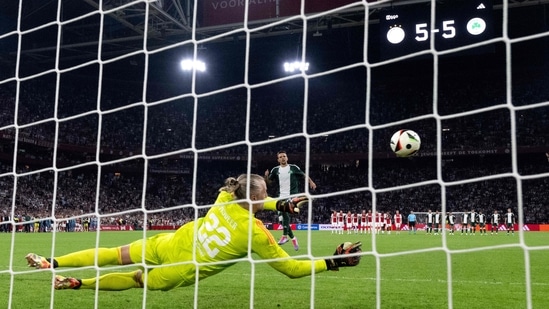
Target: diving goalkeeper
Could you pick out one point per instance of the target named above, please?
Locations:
(222, 235)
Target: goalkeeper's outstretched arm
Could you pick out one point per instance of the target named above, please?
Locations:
(290, 205)
(346, 255)
(349, 256)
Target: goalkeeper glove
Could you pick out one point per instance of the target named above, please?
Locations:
(345, 261)
(292, 205)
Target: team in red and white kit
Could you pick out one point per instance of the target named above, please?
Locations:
(388, 223)
(398, 221)
(367, 222)
(370, 218)
(349, 222)
(333, 221)
(363, 222)
(340, 221)
(355, 218)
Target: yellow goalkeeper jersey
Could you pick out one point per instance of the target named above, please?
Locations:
(222, 237)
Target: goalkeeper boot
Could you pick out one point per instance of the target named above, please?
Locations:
(37, 261)
(63, 283)
(283, 240)
(294, 242)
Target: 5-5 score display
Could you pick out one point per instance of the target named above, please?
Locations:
(411, 28)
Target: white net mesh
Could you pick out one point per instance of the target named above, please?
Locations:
(101, 129)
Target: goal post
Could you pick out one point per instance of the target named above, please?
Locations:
(120, 115)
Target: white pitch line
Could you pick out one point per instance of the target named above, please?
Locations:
(420, 280)
(404, 279)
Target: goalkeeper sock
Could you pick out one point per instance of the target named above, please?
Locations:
(114, 281)
(54, 264)
(105, 256)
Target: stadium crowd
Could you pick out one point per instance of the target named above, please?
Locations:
(169, 125)
(169, 198)
(168, 183)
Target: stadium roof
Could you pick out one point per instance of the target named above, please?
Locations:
(169, 22)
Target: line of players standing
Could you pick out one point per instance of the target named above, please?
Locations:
(471, 220)
(368, 222)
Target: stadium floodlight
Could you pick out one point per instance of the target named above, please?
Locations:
(190, 64)
(291, 67)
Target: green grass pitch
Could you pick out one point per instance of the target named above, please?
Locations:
(486, 271)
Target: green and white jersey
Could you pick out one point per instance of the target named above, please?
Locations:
(430, 217)
(473, 218)
(287, 179)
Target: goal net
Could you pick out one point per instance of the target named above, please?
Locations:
(129, 115)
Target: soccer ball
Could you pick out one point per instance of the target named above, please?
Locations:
(405, 143)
